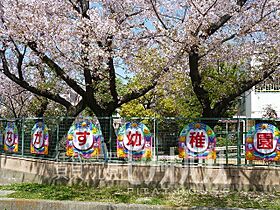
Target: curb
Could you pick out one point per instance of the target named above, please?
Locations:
(25, 204)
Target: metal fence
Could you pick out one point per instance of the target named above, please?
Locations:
(230, 135)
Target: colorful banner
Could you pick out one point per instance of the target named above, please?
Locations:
(197, 140)
(134, 140)
(1, 138)
(263, 143)
(11, 137)
(1, 135)
(39, 139)
(84, 139)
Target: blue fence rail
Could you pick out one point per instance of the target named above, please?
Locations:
(230, 134)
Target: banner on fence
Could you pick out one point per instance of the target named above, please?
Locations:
(11, 137)
(83, 139)
(1, 134)
(263, 143)
(39, 139)
(1, 138)
(197, 140)
(134, 140)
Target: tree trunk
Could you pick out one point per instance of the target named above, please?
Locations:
(64, 125)
(108, 131)
(211, 117)
(40, 111)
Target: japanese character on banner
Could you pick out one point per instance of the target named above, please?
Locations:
(39, 144)
(263, 143)
(197, 140)
(11, 137)
(135, 141)
(84, 139)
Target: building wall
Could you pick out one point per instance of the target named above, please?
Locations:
(256, 102)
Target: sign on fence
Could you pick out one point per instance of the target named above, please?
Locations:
(134, 139)
(263, 143)
(39, 139)
(11, 137)
(83, 139)
(197, 140)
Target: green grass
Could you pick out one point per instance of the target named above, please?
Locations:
(179, 197)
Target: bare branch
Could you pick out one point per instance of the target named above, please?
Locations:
(206, 12)
(157, 14)
(171, 17)
(263, 7)
(129, 15)
(185, 14)
(196, 8)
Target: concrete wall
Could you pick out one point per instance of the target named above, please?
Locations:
(15, 169)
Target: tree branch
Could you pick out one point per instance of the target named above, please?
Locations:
(20, 57)
(73, 111)
(230, 37)
(263, 6)
(203, 14)
(241, 2)
(216, 26)
(13, 109)
(22, 105)
(84, 6)
(24, 84)
(221, 22)
(157, 14)
(137, 93)
(130, 15)
(218, 108)
(185, 14)
(59, 71)
(244, 31)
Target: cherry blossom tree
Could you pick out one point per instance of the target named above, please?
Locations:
(229, 47)
(17, 102)
(79, 45)
(13, 99)
(241, 35)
